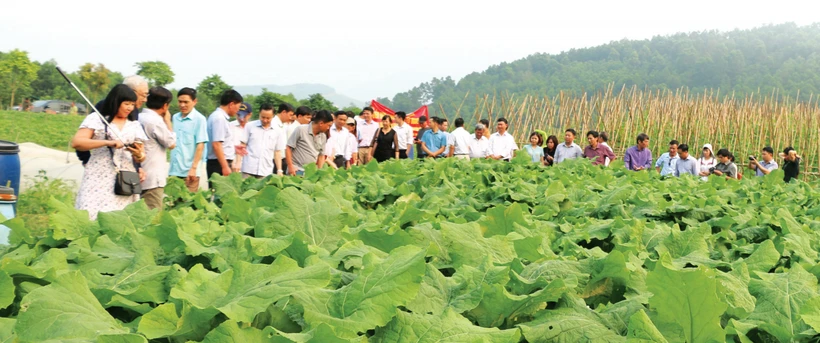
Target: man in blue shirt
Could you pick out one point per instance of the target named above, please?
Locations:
(434, 142)
(191, 129)
(667, 163)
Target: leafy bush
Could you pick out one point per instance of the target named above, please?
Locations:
(439, 251)
(32, 206)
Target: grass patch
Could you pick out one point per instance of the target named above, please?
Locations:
(49, 130)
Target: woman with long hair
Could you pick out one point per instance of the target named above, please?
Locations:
(386, 145)
(108, 154)
(549, 150)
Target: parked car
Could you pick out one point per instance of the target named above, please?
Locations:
(55, 106)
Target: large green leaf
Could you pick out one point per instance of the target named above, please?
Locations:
(64, 311)
(372, 298)
(6, 290)
(462, 292)
(779, 301)
(468, 247)
(320, 221)
(641, 330)
(687, 299)
(446, 327)
(570, 323)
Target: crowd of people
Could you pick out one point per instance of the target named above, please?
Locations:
(284, 140)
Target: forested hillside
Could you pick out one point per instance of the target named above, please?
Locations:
(783, 57)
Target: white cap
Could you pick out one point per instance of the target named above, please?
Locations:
(708, 146)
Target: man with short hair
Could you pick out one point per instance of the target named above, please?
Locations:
(666, 164)
(686, 164)
(502, 144)
(791, 164)
(766, 166)
(603, 139)
(156, 122)
(434, 142)
(568, 150)
(451, 143)
(596, 151)
(638, 157)
(461, 138)
(284, 120)
(425, 126)
(265, 145)
(303, 117)
(191, 129)
(341, 145)
(238, 133)
(404, 134)
(478, 143)
(222, 153)
(140, 86)
(307, 143)
(367, 129)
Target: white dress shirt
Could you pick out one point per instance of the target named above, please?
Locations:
(160, 137)
(367, 132)
(341, 142)
(262, 143)
(404, 133)
(502, 145)
(287, 128)
(478, 147)
(462, 141)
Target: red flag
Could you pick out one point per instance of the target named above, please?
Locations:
(380, 111)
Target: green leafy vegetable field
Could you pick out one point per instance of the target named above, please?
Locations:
(440, 251)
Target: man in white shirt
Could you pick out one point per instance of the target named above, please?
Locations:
(265, 145)
(568, 150)
(461, 140)
(366, 130)
(502, 144)
(478, 144)
(404, 134)
(238, 133)
(284, 121)
(156, 121)
(342, 144)
(221, 153)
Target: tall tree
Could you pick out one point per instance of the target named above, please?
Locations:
(17, 71)
(158, 73)
(208, 92)
(96, 77)
(272, 98)
(318, 102)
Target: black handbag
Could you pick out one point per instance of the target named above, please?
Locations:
(128, 182)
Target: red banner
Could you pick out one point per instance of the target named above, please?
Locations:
(380, 111)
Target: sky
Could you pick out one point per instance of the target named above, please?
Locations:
(363, 49)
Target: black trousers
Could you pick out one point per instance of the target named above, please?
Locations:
(213, 166)
(284, 166)
(403, 154)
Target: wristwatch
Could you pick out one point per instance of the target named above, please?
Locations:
(280, 171)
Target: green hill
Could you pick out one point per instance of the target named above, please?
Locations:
(779, 57)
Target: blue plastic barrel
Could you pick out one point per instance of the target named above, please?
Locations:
(10, 165)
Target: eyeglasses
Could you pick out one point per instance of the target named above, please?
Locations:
(351, 124)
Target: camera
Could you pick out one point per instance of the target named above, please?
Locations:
(752, 158)
(712, 170)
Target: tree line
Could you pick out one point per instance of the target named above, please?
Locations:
(783, 58)
(22, 78)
